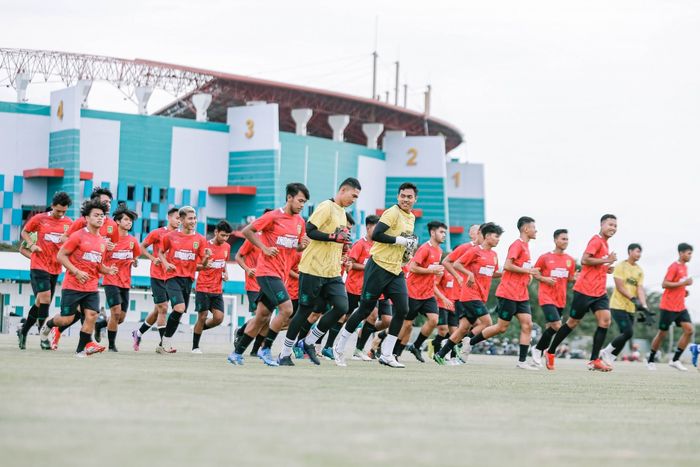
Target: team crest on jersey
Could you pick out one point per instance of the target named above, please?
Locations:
(568, 263)
(131, 245)
(65, 227)
(195, 245)
(110, 229)
(298, 229)
(102, 248)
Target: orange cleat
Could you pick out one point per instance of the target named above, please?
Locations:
(93, 347)
(549, 360)
(55, 337)
(598, 365)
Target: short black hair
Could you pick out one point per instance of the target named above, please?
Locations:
(634, 246)
(434, 225)
(682, 247)
(491, 228)
(408, 186)
(293, 189)
(173, 210)
(372, 219)
(123, 211)
(607, 216)
(266, 210)
(524, 221)
(224, 226)
(351, 182)
(99, 191)
(90, 204)
(560, 232)
(61, 199)
(481, 227)
(349, 219)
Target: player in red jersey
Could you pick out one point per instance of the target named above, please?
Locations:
(512, 293)
(556, 270)
(124, 256)
(590, 294)
(449, 260)
(82, 256)
(282, 232)
(479, 265)
(673, 309)
(48, 228)
(209, 289)
(447, 293)
(109, 229)
(180, 254)
(425, 271)
(158, 276)
(247, 258)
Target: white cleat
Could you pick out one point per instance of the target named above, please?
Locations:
(607, 357)
(390, 361)
(537, 358)
(677, 365)
(81, 354)
(359, 355)
(339, 356)
(651, 366)
(197, 351)
(466, 349)
(527, 366)
(454, 361)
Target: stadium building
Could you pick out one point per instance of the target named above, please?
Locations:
(227, 146)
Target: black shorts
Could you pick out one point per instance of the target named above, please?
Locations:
(552, 313)
(471, 310)
(71, 299)
(312, 288)
(675, 317)
(509, 308)
(384, 307)
(582, 304)
(252, 301)
(272, 292)
(423, 307)
(378, 281)
(353, 302)
(117, 296)
(160, 293)
(205, 301)
(179, 290)
(624, 320)
(443, 316)
(42, 281)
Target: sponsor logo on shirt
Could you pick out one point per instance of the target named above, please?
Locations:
(288, 242)
(123, 254)
(52, 237)
(487, 270)
(559, 273)
(92, 257)
(184, 255)
(218, 264)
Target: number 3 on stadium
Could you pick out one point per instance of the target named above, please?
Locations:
(413, 155)
(250, 124)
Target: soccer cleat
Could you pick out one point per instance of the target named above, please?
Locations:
(598, 365)
(360, 355)
(22, 340)
(112, 349)
(310, 350)
(466, 348)
(327, 352)
(677, 365)
(438, 359)
(93, 348)
(454, 361)
(98, 333)
(549, 360)
(651, 366)
(197, 351)
(44, 338)
(416, 353)
(235, 358)
(607, 357)
(137, 339)
(390, 361)
(339, 356)
(461, 360)
(165, 350)
(266, 356)
(55, 337)
(298, 350)
(81, 354)
(372, 354)
(537, 357)
(285, 361)
(527, 366)
(695, 352)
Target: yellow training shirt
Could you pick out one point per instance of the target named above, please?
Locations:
(323, 259)
(633, 277)
(389, 256)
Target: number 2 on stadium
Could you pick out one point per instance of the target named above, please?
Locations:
(413, 155)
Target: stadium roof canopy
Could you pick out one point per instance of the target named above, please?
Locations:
(227, 90)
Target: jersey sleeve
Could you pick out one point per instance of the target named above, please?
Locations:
(150, 238)
(572, 268)
(620, 271)
(203, 245)
(302, 231)
(515, 250)
(422, 256)
(72, 243)
(246, 248)
(264, 221)
(32, 224)
(77, 225)
(540, 264)
(165, 243)
(136, 249)
(389, 217)
(355, 251)
(467, 257)
(671, 273)
(456, 254)
(321, 215)
(593, 247)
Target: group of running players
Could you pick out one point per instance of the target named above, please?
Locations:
(324, 288)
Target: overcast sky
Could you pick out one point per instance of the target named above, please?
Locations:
(576, 108)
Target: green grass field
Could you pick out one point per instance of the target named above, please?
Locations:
(197, 410)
